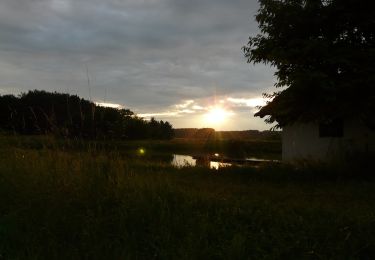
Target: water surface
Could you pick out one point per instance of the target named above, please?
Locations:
(180, 160)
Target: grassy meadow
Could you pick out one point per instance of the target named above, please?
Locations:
(71, 199)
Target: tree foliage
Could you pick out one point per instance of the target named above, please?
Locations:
(41, 112)
(324, 55)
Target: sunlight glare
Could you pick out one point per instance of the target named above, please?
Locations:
(141, 151)
(216, 115)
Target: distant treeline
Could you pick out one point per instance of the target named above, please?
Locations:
(41, 112)
(210, 133)
(194, 133)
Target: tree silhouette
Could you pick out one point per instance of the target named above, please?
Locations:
(41, 112)
(324, 55)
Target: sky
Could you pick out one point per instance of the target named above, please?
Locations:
(175, 60)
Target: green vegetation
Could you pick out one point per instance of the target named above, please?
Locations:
(241, 148)
(57, 202)
(242, 144)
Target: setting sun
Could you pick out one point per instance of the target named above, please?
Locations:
(216, 115)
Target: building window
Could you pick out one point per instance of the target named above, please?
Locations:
(331, 128)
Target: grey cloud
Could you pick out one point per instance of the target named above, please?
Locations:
(142, 54)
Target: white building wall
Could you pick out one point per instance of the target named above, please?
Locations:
(301, 141)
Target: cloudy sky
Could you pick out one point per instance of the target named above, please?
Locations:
(176, 60)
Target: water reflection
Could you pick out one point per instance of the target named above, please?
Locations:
(217, 165)
(217, 161)
(187, 160)
(183, 160)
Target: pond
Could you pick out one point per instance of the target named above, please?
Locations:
(216, 161)
(187, 160)
(210, 160)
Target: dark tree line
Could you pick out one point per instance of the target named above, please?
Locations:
(194, 133)
(41, 112)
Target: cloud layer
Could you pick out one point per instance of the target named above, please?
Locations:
(148, 56)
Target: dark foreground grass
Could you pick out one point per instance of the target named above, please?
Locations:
(102, 205)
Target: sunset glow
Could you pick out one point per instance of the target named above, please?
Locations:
(216, 116)
(220, 112)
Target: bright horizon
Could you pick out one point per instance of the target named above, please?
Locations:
(220, 115)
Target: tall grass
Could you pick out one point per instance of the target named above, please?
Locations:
(93, 204)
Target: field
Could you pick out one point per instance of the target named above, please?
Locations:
(66, 199)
